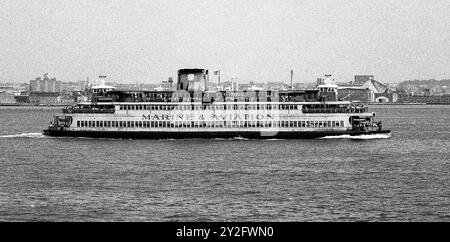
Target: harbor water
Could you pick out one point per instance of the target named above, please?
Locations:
(404, 177)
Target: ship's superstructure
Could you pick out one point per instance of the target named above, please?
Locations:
(191, 111)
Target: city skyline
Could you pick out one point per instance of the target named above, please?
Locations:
(213, 80)
(146, 42)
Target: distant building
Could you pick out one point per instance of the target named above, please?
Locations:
(82, 85)
(360, 94)
(6, 88)
(375, 86)
(45, 84)
(366, 89)
(386, 97)
(361, 79)
(6, 97)
(44, 98)
(381, 92)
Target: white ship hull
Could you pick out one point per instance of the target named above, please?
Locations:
(183, 121)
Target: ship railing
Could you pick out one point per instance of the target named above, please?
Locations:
(87, 110)
(334, 110)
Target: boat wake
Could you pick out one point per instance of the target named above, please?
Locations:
(240, 138)
(359, 137)
(24, 135)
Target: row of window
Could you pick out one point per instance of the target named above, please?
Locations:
(212, 107)
(196, 124)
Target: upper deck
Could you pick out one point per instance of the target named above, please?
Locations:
(177, 96)
(323, 100)
(304, 107)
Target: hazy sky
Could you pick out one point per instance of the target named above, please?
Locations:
(261, 40)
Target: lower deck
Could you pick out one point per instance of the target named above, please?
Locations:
(264, 134)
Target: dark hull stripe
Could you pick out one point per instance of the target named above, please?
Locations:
(184, 135)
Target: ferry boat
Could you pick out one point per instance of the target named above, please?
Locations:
(190, 110)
